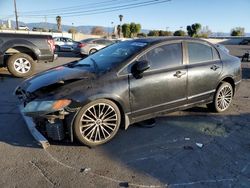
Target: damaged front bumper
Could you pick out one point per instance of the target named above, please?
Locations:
(49, 120)
(32, 128)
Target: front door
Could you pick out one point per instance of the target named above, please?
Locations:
(163, 85)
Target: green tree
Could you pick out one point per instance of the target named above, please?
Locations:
(137, 28)
(153, 33)
(205, 32)
(98, 31)
(238, 31)
(165, 33)
(140, 35)
(132, 29)
(126, 30)
(193, 29)
(59, 23)
(179, 33)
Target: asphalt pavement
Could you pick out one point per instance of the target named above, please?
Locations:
(191, 148)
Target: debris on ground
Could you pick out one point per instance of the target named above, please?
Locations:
(188, 148)
(85, 170)
(150, 123)
(124, 184)
(200, 145)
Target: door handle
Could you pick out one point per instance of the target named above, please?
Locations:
(214, 67)
(179, 74)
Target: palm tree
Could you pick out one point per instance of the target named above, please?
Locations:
(59, 23)
(120, 29)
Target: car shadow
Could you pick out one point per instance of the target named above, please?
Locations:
(245, 72)
(180, 149)
(168, 152)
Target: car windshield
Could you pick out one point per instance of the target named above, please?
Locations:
(113, 55)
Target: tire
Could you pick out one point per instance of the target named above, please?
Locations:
(92, 51)
(222, 98)
(21, 65)
(97, 122)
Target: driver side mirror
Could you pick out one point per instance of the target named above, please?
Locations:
(139, 67)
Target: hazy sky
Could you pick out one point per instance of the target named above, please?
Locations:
(219, 15)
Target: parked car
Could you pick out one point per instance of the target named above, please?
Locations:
(92, 45)
(21, 52)
(23, 27)
(245, 42)
(65, 44)
(128, 82)
(38, 29)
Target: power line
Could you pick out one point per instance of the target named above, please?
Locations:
(89, 5)
(104, 10)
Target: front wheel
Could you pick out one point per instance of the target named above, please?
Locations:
(21, 65)
(222, 99)
(97, 122)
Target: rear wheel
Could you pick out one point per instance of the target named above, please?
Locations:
(97, 122)
(92, 51)
(21, 65)
(222, 99)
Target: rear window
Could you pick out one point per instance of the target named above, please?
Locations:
(198, 52)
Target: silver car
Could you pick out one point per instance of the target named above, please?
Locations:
(65, 44)
(92, 45)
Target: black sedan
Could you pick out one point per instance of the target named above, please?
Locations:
(128, 82)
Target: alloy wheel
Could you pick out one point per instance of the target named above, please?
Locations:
(22, 65)
(99, 122)
(224, 97)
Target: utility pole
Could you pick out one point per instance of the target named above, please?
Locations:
(16, 14)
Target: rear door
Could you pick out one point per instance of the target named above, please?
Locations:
(163, 85)
(204, 69)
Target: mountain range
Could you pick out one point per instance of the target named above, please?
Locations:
(86, 29)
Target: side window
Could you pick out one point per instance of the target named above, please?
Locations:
(63, 40)
(98, 42)
(108, 42)
(69, 40)
(198, 52)
(165, 56)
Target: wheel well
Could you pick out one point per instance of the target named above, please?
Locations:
(21, 49)
(92, 49)
(230, 81)
(121, 111)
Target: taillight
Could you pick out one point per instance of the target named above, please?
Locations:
(81, 45)
(51, 44)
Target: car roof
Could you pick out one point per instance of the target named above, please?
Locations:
(163, 39)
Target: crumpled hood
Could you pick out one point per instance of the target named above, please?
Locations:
(58, 75)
